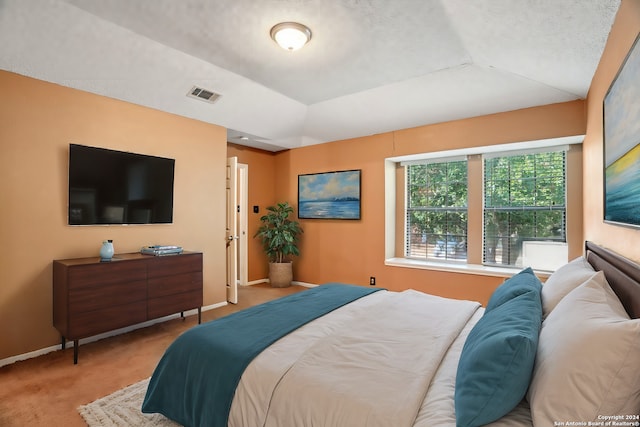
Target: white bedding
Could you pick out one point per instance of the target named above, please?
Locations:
(368, 363)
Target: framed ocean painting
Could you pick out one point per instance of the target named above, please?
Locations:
(329, 195)
(621, 110)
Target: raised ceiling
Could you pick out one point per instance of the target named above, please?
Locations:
(372, 66)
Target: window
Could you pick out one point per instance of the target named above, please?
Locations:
(512, 203)
(524, 200)
(485, 209)
(436, 213)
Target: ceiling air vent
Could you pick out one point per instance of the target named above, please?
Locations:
(203, 94)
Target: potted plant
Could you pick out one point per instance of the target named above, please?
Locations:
(279, 236)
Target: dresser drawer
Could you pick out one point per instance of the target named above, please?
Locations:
(178, 283)
(95, 322)
(99, 274)
(83, 299)
(158, 307)
(173, 264)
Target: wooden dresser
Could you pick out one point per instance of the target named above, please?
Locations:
(91, 297)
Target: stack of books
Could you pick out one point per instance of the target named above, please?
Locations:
(159, 250)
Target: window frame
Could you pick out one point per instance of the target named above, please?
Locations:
(394, 205)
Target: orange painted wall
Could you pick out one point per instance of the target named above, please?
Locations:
(38, 120)
(620, 239)
(352, 251)
(262, 172)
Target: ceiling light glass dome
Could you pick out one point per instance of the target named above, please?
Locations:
(290, 35)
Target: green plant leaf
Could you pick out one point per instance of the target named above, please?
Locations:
(278, 233)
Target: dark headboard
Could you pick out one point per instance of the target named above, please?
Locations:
(622, 274)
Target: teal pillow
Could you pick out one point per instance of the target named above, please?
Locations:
(523, 282)
(496, 362)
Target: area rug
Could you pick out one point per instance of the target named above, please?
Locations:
(122, 409)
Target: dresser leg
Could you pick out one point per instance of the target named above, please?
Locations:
(64, 342)
(75, 352)
(199, 315)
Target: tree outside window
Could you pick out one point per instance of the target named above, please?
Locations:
(437, 211)
(524, 199)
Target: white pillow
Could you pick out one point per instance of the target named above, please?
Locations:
(587, 362)
(564, 280)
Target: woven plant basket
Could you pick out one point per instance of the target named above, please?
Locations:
(280, 274)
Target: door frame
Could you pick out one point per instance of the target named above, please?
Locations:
(243, 224)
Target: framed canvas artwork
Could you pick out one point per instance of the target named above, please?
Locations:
(329, 195)
(621, 111)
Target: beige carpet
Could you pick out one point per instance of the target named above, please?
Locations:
(122, 409)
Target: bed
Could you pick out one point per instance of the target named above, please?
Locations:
(562, 353)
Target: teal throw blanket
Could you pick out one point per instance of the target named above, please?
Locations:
(195, 381)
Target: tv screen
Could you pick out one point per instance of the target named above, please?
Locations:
(116, 187)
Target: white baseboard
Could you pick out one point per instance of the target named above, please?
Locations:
(42, 351)
(257, 282)
(306, 285)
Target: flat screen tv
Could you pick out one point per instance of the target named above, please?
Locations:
(116, 187)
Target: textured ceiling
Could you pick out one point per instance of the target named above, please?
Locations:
(372, 65)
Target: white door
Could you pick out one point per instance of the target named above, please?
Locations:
(232, 230)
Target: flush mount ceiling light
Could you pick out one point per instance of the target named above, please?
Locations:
(290, 35)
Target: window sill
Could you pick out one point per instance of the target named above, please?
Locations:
(476, 269)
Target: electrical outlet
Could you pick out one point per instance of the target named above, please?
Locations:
(372, 281)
